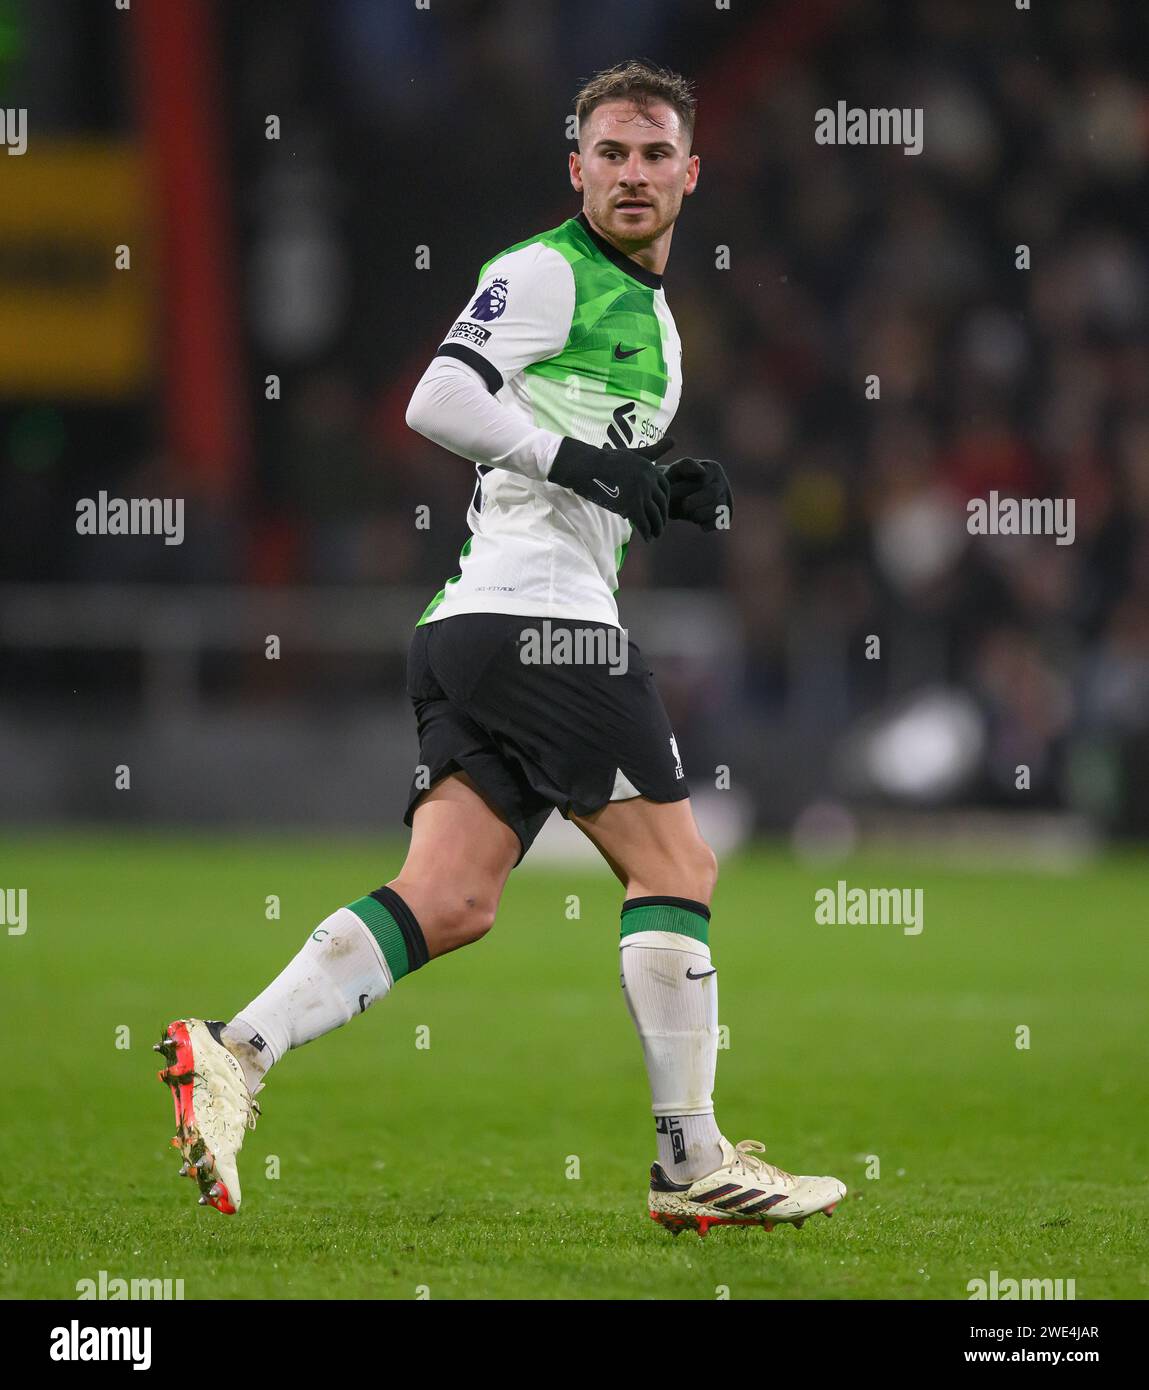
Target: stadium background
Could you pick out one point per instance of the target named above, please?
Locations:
(296, 258)
(445, 129)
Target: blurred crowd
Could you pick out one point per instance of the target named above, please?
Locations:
(445, 129)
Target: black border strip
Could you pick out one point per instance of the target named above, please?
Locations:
(687, 905)
(619, 258)
(413, 937)
(492, 377)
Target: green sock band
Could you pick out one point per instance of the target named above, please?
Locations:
(403, 951)
(681, 915)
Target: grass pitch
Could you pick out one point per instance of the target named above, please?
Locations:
(449, 1167)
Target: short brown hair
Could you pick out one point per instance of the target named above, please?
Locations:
(641, 83)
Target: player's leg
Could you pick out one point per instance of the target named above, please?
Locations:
(653, 847)
(583, 732)
(460, 856)
(444, 897)
(669, 873)
(464, 844)
(671, 985)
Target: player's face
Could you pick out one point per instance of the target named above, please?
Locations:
(633, 168)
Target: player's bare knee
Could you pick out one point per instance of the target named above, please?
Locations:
(467, 916)
(686, 871)
(702, 866)
(695, 869)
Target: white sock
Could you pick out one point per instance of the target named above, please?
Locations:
(676, 1015)
(688, 1145)
(340, 971)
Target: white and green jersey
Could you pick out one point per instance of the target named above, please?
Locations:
(576, 339)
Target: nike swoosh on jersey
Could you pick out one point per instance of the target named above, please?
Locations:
(622, 355)
(691, 976)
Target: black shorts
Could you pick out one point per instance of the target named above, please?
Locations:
(530, 710)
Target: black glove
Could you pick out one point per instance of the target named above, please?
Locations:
(624, 481)
(698, 487)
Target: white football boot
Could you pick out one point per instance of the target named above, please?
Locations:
(743, 1191)
(214, 1108)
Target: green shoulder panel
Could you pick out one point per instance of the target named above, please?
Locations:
(615, 338)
